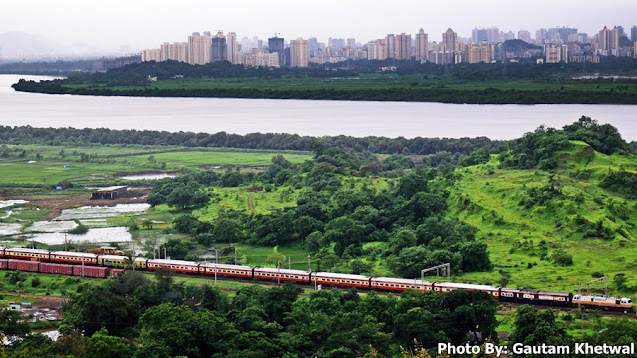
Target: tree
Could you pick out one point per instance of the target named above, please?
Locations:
(186, 224)
(275, 258)
(177, 249)
(409, 261)
(12, 324)
(97, 307)
(101, 345)
(562, 258)
(535, 327)
(181, 331)
(404, 238)
(228, 230)
(475, 256)
(411, 184)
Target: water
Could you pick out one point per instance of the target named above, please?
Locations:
(148, 176)
(99, 235)
(313, 118)
(9, 229)
(51, 226)
(7, 203)
(90, 212)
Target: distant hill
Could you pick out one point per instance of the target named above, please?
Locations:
(18, 45)
(519, 45)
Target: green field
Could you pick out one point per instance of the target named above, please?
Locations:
(488, 198)
(375, 82)
(105, 163)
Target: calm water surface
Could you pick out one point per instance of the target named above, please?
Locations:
(314, 118)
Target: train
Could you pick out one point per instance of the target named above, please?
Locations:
(96, 265)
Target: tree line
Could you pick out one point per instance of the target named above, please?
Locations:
(446, 147)
(135, 316)
(416, 94)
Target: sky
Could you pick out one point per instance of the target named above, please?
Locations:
(139, 24)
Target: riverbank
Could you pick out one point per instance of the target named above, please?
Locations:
(380, 89)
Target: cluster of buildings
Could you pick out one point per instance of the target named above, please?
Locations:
(201, 49)
(552, 45)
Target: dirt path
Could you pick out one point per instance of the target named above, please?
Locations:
(251, 205)
(41, 301)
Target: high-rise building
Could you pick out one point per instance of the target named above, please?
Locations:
(493, 35)
(498, 52)
(560, 34)
(376, 50)
(449, 39)
(232, 48)
(524, 35)
(390, 46)
(219, 47)
(556, 53)
(633, 34)
(151, 55)
(351, 43)
(608, 39)
(480, 53)
(621, 31)
(422, 45)
(277, 44)
(402, 47)
(299, 53)
(176, 51)
(540, 36)
(314, 46)
(336, 44)
(507, 36)
(199, 48)
(479, 35)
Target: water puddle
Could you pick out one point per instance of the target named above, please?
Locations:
(7, 203)
(53, 335)
(91, 212)
(99, 235)
(51, 226)
(6, 216)
(148, 176)
(10, 229)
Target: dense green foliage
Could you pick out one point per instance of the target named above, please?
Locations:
(132, 80)
(338, 212)
(442, 150)
(444, 95)
(540, 147)
(166, 319)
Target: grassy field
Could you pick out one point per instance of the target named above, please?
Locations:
(489, 198)
(46, 165)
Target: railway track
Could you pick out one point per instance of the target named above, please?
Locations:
(605, 313)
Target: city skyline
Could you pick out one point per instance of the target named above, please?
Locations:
(143, 24)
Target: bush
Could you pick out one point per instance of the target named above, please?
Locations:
(16, 276)
(35, 282)
(562, 258)
(79, 230)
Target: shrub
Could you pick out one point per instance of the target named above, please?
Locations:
(562, 258)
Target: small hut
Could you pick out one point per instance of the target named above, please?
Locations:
(111, 192)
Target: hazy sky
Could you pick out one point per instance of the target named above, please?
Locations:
(147, 23)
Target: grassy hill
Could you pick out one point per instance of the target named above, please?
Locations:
(527, 216)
